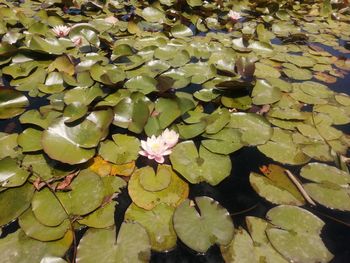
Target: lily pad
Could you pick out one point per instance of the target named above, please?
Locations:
(297, 239)
(123, 150)
(103, 217)
(30, 140)
(34, 229)
(154, 182)
(201, 229)
(132, 244)
(200, 166)
(68, 143)
(14, 201)
(276, 187)
(12, 103)
(173, 195)
(47, 208)
(86, 195)
(18, 247)
(158, 223)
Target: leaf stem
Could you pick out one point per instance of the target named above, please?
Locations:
(300, 187)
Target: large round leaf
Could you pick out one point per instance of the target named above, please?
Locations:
(65, 143)
(123, 150)
(12, 103)
(30, 140)
(276, 186)
(86, 195)
(201, 229)
(100, 245)
(17, 247)
(172, 195)
(281, 148)
(11, 174)
(14, 201)
(158, 223)
(102, 217)
(47, 209)
(296, 235)
(203, 166)
(34, 229)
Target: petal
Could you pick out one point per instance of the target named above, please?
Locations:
(159, 159)
(144, 153)
(167, 152)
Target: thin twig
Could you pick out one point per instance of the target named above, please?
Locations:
(300, 187)
(245, 210)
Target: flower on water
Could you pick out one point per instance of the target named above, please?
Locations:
(234, 16)
(157, 147)
(170, 137)
(77, 41)
(61, 31)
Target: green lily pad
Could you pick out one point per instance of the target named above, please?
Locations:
(14, 201)
(11, 174)
(37, 118)
(47, 209)
(83, 95)
(158, 223)
(241, 248)
(153, 15)
(296, 235)
(200, 166)
(103, 217)
(276, 187)
(30, 140)
(264, 93)
(225, 141)
(173, 195)
(263, 249)
(201, 229)
(181, 31)
(8, 145)
(86, 195)
(281, 148)
(124, 149)
(132, 245)
(154, 182)
(34, 229)
(44, 167)
(18, 247)
(65, 143)
(331, 185)
(143, 84)
(255, 129)
(12, 103)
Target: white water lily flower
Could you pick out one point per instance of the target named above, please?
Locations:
(233, 15)
(61, 31)
(155, 148)
(170, 137)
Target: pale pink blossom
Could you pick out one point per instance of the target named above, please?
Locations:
(155, 148)
(233, 15)
(170, 137)
(77, 41)
(158, 147)
(61, 31)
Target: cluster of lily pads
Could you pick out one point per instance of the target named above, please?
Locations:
(196, 80)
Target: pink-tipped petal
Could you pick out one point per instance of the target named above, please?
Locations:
(159, 159)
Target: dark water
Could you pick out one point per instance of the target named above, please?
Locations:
(235, 194)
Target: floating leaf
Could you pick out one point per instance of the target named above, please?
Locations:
(86, 195)
(12, 103)
(132, 244)
(201, 229)
(34, 229)
(103, 217)
(276, 187)
(17, 247)
(11, 174)
(30, 140)
(296, 235)
(14, 201)
(199, 166)
(158, 223)
(173, 195)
